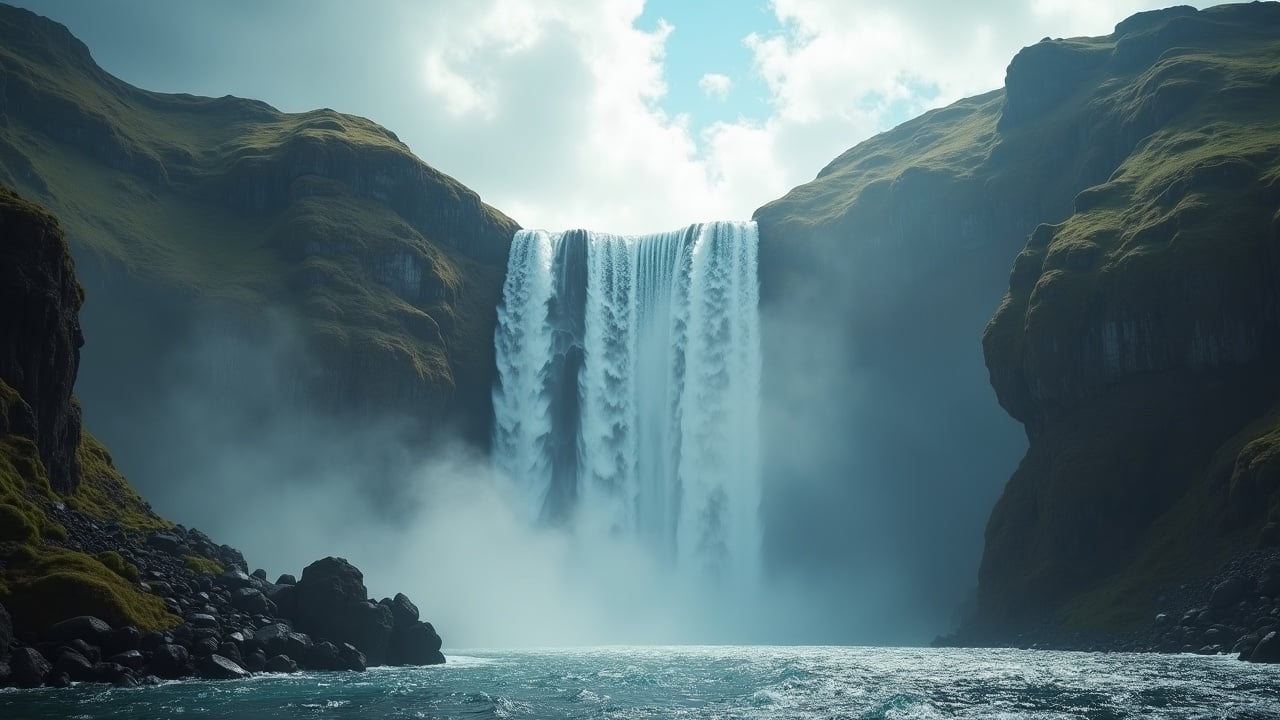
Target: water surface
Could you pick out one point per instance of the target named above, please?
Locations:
(711, 682)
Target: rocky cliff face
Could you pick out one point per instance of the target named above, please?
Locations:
(1139, 338)
(318, 238)
(1134, 339)
(40, 336)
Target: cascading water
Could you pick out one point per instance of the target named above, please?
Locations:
(629, 388)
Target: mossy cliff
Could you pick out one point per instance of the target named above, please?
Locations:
(1139, 339)
(225, 216)
(45, 459)
(1131, 182)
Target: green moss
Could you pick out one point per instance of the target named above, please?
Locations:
(103, 492)
(117, 564)
(202, 565)
(43, 585)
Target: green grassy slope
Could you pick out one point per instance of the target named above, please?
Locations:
(1139, 327)
(387, 263)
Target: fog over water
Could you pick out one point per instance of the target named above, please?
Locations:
(857, 526)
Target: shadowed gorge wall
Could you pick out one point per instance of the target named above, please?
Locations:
(225, 225)
(1153, 145)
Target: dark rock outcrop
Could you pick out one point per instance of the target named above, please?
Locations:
(28, 667)
(280, 664)
(217, 667)
(333, 604)
(40, 336)
(6, 633)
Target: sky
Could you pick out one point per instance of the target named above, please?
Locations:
(617, 115)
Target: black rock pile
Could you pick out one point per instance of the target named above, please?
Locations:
(234, 624)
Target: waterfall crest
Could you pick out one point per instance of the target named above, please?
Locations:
(628, 395)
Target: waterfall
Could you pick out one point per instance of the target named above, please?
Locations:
(628, 395)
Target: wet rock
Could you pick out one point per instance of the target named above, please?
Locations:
(170, 661)
(281, 664)
(108, 672)
(230, 651)
(217, 667)
(131, 659)
(28, 667)
(333, 605)
(234, 580)
(58, 680)
(203, 620)
(85, 627)
(6, 633)
(324, 656)
(418, 644)
(84, 648)
(122, 639)
(1269, 583)
(5, 674)
(255, 661)
(204, 647)
(1267, 650)
(168, 543)
(1229, 592)
(285, 597)
(403, 612)
(74, 665)
(151, 641)
(352, 658)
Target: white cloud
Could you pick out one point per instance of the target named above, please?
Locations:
(553, 110)
(715, 86)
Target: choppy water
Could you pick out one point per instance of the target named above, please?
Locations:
(713, 682)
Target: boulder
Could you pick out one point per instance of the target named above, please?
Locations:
(110, 673)
(6, 633)
(255, 661)
(230, 651)
(332, 604)
(205, 647)
(203, 620)
(285, 598)
(1269, 583)
(352, 658)
(85, 627)
(403, 612)
(217, 667)
(28, 668)
(73, 665)
(324, 656)
(417, 644)
(286, 579)
(234, 579)
(1229, 592)
(280, 664)
(259, 574)
(170, 661)
(250, 600)
(131, 659)
(122, 639)
(5, 674)
(168, 543)
(1267, 649)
